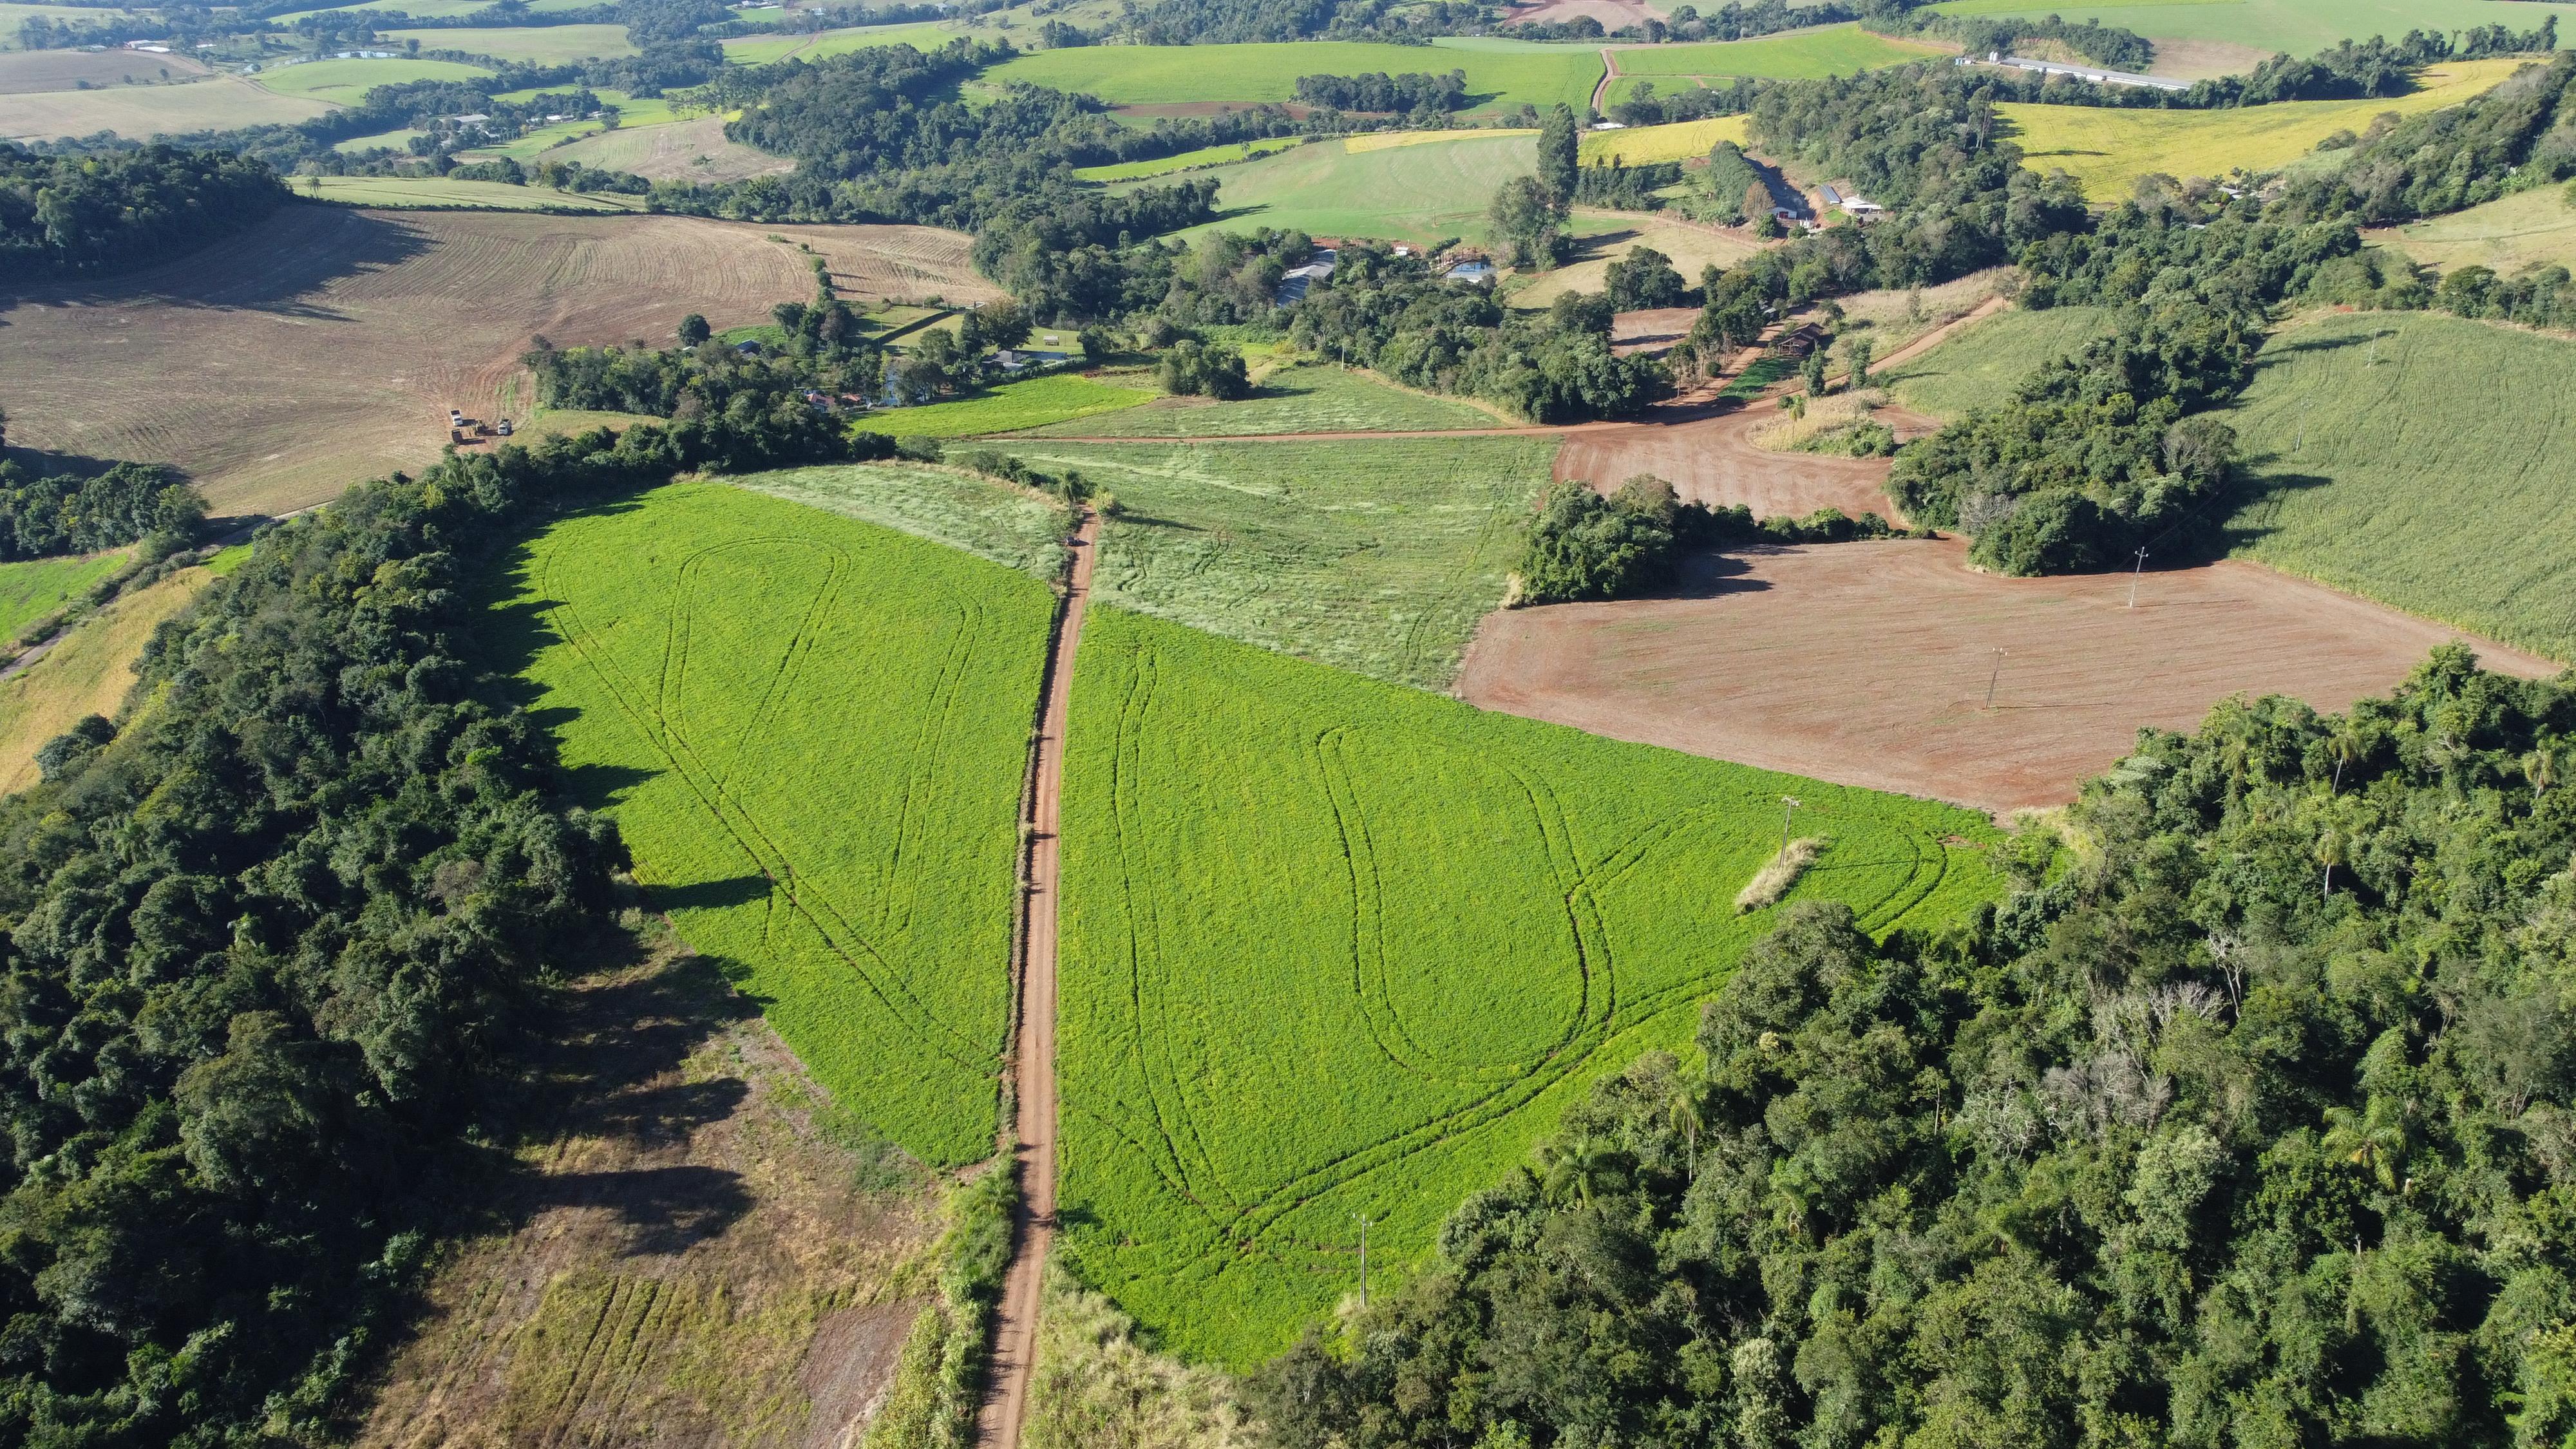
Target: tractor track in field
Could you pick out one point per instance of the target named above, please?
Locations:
(1015, 1327)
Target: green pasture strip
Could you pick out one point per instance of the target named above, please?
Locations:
(1806, 55)
(346, 82)
(1309, 398)
(1979, 365)
(1374, 556)
(2421, 460)
(429, 9)
(33, 588)
(1204, 156)
(2510, 234)
(1008, 408)
(766, 49)
(811, 732)
(392, 140)
(1333, 948)
(225, 560)
(534, 44)
(1504, 76)
(2298, 27)
(1011, 526)
(1398, 193)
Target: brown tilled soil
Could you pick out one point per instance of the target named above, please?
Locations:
(326, 345)
(1613, 14)
(1867, 664)
(687, 1252)
(2205, 59)
(1713, 460)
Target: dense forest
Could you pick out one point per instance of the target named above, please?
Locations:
(266, 938)
(54, 512)
(84, 216)
(2249, 1119)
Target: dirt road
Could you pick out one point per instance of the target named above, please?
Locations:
(1015, 1331)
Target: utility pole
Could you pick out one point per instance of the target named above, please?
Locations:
(1364, 1225)
(2137, 574)
(1787, 815)
(1991, 678)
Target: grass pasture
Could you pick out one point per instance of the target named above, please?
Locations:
(1376, 556)
(1009, 408)
(217, 103)
(1502, 74)
(33, 588)
(1800, 55)
(691, 150)
(770, 49)
(2511, 233)
(2298, 27)
(1187, 160)
(1332, 947)
(2108, 150)
(1401, 193)
(434, 193)
(35, 71)
(89, 671)
(1680, 141)
(2418, 459)
(1309, 398)
(1015, 527)
(533, 44)
(346, 82)
(1980, 365)
(811, 731)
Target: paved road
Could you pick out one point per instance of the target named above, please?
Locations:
(1015, 1333)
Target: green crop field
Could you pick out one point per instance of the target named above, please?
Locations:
(1312, 398)
(218, 103)
(33, 588)
(811, 732)
(1504, 74)
(1374, 556)
(534, 44)
(392, 140)
(1980, 365)
(768, 49)
(429, 193)
(1805, 55)
(2419, 459)
(1204, 156)
(2299, 27)
(431, 9)
(2512, 233)
(1014, 526)
(2108, 150)
(346, 82)
(1008, 408)
(1680, 141)
(1332, 947)
(1399, 193)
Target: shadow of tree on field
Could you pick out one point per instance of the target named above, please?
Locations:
(273, 267)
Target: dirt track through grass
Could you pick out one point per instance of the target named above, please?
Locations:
(326, 345)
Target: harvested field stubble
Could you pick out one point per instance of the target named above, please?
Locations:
(1334, 947)
(327, 344)
(139, 113)
(811, 732)
(1868, 663)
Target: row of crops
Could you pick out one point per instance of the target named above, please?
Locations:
(1332, 948)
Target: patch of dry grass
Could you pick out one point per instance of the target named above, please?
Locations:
(1773, 880)
(88, 672)
(1097, 1387)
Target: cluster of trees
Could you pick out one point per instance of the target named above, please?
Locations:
(2519, 135)
(1644, 278)
(1226, 22)
(1646, 107)
(53, 513)
(1625, 187)
(1194, 369)
(1584, 545)
(1528, 213)
(1391, 314)
(1411, 93)
(2251, 1122)
(65, 215)
(2104, 45)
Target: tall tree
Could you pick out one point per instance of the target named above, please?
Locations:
(1556, 153)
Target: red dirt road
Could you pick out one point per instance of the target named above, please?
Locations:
(1866, 664)
(1015, 1328)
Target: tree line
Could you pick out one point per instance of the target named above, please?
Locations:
(1410, 93)
(2247, 1118)
(78, 216)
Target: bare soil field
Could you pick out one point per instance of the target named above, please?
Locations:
(1690, 244)
(1613, 14)
(140, 112)
(1867, 664)
(326, 345)
(683, 1253)
(32, 72)
(2204, 59)
(681, 151)
(1714, 460)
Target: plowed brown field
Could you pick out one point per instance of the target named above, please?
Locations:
(1867, 664)
(326, 345)
(1713, 460)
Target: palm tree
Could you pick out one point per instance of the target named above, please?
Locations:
(2346, 745)
(2374, 1140)
(2540, 767)
(1687, 1115)
(1577, 1166)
